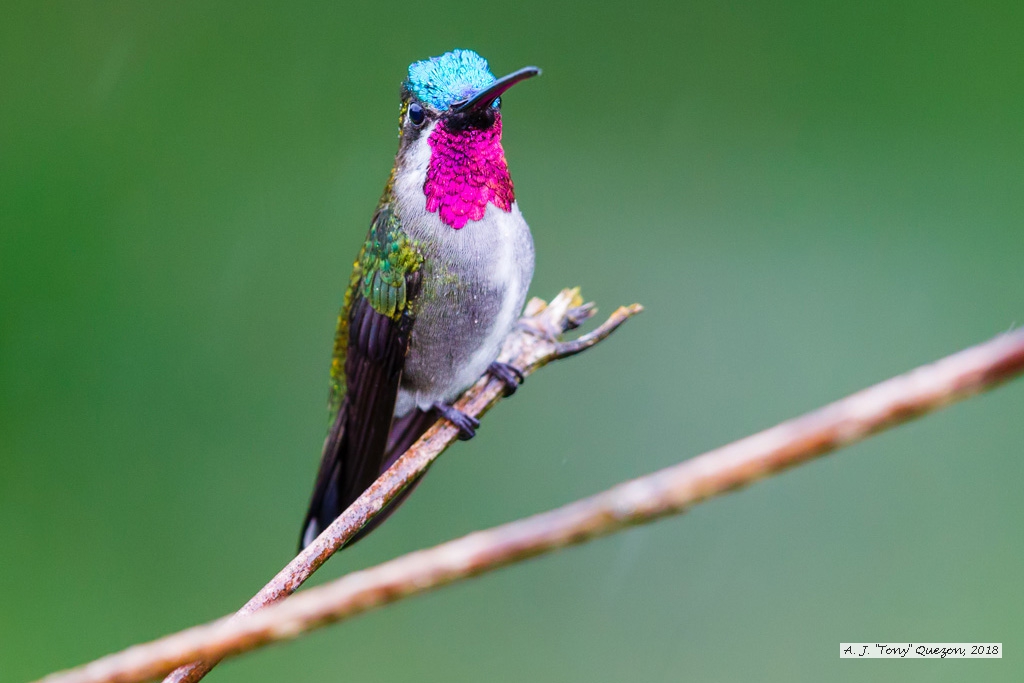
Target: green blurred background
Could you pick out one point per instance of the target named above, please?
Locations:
(808, 198)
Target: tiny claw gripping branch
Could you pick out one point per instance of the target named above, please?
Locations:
(507, 373)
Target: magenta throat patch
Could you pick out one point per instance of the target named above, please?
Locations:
(467, 171)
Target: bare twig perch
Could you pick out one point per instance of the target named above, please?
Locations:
(536, 344)
(668, 491)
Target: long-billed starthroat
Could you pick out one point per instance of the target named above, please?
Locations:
(439, 283)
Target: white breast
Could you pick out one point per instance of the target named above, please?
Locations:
(495, 254)
(506, 268)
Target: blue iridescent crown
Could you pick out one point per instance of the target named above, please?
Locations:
(452, 77)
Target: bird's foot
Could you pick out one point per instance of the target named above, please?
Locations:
(507, 373)
(467, 424)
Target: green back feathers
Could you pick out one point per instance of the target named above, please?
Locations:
(387, 258)
(379, 275)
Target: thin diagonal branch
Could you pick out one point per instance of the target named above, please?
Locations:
(662, 493)
(536, 343)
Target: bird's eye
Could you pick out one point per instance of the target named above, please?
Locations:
(416, 114)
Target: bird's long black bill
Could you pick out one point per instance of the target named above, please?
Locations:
(492, 92)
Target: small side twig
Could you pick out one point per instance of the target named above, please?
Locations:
(535, 344)
(662, 493)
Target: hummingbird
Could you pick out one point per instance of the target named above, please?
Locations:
(438, 284)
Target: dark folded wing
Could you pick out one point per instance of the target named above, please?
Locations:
(371, 345)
